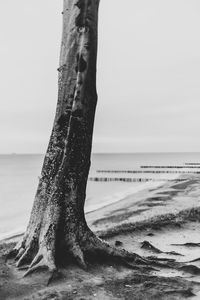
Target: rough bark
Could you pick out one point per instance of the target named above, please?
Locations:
(57, 219)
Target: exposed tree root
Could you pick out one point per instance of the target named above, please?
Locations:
(86, 250)
(42, 261)
(29, 259)
(188, 244)
(101, 249)
(78, 255)
(148, 246)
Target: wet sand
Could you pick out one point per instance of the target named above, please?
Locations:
(163, 222)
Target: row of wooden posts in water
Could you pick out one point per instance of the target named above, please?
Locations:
(171, 167)
(147, 172)
(190, 164)
(104, 179)
(124, 179)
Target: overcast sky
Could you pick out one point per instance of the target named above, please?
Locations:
(148, 75)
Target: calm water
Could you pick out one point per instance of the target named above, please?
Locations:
(19, 179)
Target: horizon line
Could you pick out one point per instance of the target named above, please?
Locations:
(108, 152)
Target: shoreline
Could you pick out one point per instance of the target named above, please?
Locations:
(106, 202)
(120, 196)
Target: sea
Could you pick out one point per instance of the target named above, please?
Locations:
(112, 178)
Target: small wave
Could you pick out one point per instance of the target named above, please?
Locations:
(12, 234)
(115, 197)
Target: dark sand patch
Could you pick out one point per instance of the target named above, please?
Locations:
(184, 185)
(119, 217)
(152, 204)
(158, 198)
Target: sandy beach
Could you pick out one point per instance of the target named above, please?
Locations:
(162, 222)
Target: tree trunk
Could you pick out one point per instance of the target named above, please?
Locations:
(57, 226)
